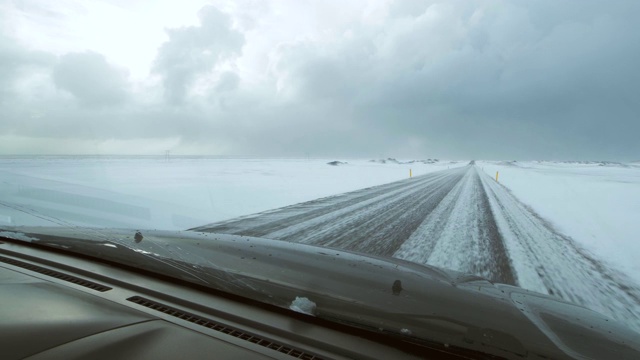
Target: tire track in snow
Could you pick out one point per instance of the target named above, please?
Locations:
(380, 229)
(271, 221)
(446, 210)
(461, 234)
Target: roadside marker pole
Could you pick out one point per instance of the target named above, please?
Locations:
(496, 176)
(410, 175)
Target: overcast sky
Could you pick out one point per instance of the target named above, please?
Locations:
(542, 79)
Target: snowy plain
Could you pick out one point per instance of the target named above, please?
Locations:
(179, 192)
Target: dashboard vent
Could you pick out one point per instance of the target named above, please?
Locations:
(196, 319)
(56, 274)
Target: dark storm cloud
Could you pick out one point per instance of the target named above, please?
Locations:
(90, 79)
(541, 79)
(194, 50)
(509, 80)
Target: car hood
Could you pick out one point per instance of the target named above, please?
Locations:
(413, 302)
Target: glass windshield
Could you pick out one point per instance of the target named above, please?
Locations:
(494, 139)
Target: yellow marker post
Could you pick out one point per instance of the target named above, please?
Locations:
(496, 176)
(410, 175)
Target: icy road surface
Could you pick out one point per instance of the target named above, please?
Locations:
(459, 219)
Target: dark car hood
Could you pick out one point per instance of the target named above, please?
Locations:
(415, 302)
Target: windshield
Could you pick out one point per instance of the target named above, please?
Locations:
(489, 138)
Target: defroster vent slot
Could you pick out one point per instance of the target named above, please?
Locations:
(208, 323)
(56, 274)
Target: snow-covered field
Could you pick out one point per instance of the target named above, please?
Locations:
(596, 204)
(176, 193)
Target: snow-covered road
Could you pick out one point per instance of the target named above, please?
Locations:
(459, 219)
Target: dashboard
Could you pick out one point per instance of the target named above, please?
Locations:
(61, 306)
